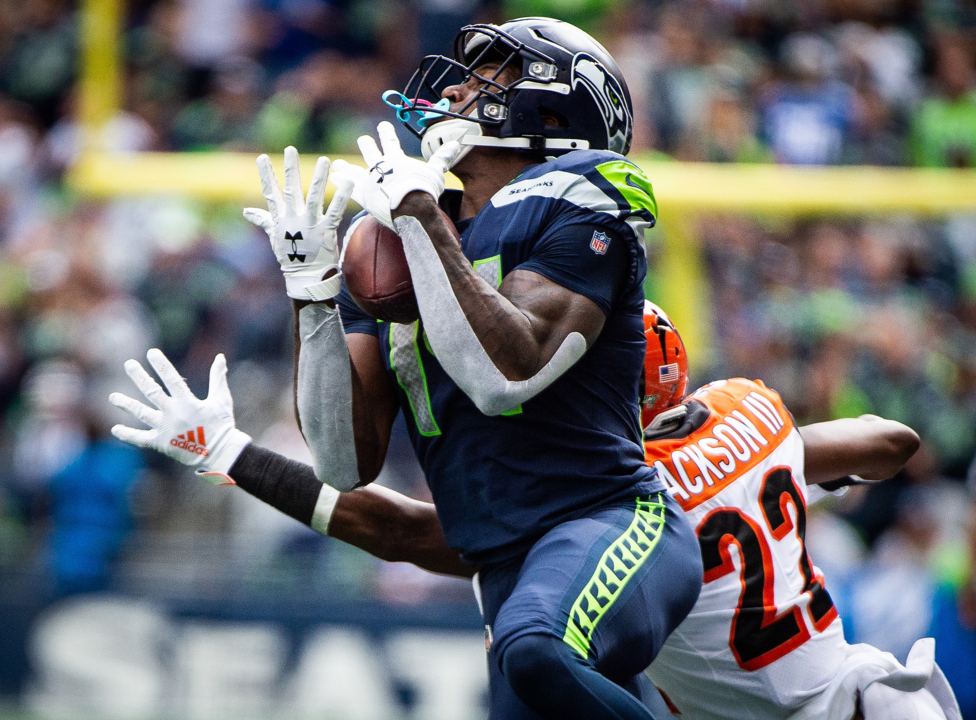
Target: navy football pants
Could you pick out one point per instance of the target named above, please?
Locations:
(573, 623)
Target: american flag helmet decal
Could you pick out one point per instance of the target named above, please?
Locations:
(668, 373)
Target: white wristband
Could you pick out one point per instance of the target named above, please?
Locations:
(306, 287)
(324, 507)
(325, 290)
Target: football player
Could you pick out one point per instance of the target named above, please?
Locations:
(764, 640)
(519, 383)
(765, 635)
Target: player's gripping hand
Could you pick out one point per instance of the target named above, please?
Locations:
(392, 175)
(199, 433)
(303, 238)
(366, 193)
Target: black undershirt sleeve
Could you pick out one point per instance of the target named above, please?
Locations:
(284, 484)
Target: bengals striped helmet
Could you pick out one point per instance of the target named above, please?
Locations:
(665, 364)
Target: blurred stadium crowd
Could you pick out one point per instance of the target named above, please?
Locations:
(841, 316)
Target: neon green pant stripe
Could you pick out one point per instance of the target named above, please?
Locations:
(617, 566)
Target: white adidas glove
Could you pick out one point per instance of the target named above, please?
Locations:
(303, 239)
(199, 433)
(393, 175)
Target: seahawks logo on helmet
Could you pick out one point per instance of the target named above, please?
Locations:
(608, 96)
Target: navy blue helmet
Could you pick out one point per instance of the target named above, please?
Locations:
(566, 77)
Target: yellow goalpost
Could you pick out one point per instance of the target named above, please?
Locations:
(682, 189)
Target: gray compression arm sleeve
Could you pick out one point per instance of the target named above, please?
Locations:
(453, 340)
(325, 396)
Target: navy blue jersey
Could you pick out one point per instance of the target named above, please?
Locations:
(500, 483)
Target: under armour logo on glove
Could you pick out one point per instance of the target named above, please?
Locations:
(294, 254)
(311, 250)
(380, 171)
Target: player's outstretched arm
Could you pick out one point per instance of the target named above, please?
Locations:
(396, 528)
(319, 366)
(339, 420)
(203, 435)
(869, 447)
(382, 522)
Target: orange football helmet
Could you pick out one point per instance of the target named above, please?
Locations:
(665, 364)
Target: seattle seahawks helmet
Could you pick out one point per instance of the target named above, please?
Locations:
(566, 76)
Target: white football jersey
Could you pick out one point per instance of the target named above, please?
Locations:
(764, 637)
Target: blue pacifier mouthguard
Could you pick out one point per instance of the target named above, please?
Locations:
(403, 106)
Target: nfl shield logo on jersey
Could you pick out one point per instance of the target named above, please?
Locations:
(599, 243)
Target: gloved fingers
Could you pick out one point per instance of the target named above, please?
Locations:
(371, 153)
(294, 197)
(140, 412)
(219, 390)
(353, 172)
(444, 157)
(139, 438)
(389, 140)
(316, 191)
(144, 381)
(261, 218)
(173, 381)
(344, 187)
(269, 188)
(359, 176)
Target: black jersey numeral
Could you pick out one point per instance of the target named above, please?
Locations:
(779, 490)
(759, 636)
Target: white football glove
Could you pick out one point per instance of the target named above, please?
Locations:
(199, 433)
(303, 239)
(392, 175)
(366, 193)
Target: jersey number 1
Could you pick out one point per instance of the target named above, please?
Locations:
(759, 636)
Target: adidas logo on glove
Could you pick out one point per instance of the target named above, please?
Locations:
(192, 440)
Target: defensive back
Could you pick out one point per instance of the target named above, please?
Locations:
(762, 634)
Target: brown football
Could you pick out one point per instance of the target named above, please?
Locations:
(375, 271)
